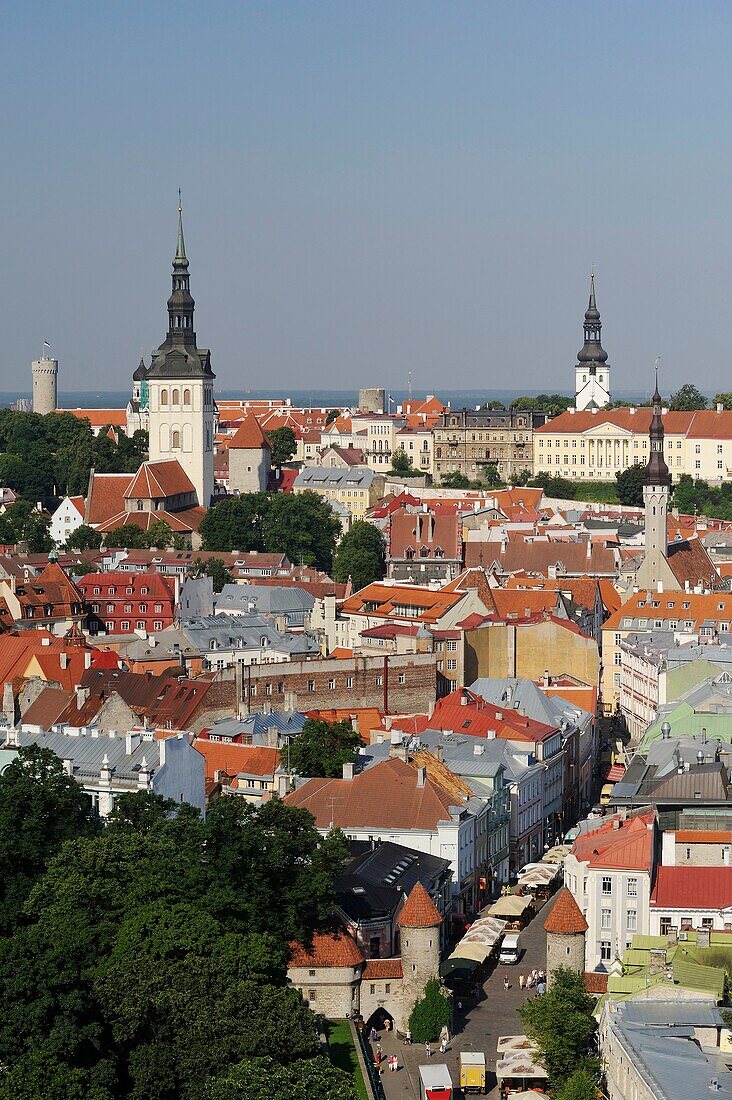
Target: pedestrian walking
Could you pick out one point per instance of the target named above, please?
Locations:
(443, 1046)
(521, 981)
(506, 983)
(408, 1038)
(395, 1067)
(374, 1035)
(428, 1050)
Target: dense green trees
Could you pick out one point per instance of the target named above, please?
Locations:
(562, 1024)
(283, 445)
(697, 497)
(84, 538)
(723, 399)
(687, 398)
(215, 569)
(148, 959)
(323, 748)
(630, 485)
(401, 465)
(303, 526)
(555, 486)
(22, 522)
(360, 555)
(265, 1079)
(42, 457)
(430, 1014)
(582, 1085)
(551, 403)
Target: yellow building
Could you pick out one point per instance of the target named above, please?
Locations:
(356, 488)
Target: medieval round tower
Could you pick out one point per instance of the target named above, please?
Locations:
(565, 929)
(419, 923)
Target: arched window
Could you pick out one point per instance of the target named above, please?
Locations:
(186, 397)
(176, 441)
(163, 397)
(176, 397)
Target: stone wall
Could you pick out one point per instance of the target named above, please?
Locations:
(401, 683)
(335, 988)
(567, 951)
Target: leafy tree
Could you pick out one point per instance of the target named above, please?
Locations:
(523, 477)
(332, 415)
(491, 475)
(283, 445)
(630, 485)
(264, 1079)
(140, 811)
(214, 568)
(555, 486)
(562, 1024)
(490, 405)
(40, 808)
(84, 538)
(323, 748)
(236, 523)
(723, 399)
(30, 526)
(430, 1014)
(304, 527)
(553, 404)
(161, 535)
(128, 535)
(360, 555)
(580, 1086)
(687, 398)
(690, 496)
(401, 464)
(454, 480)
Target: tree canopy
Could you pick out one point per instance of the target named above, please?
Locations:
(265, 1079)
(360, 555)
(84, 538)
(283, 445)
(22, 522)
(430, 1014)
(148, 960)
(723, 399)
(323, 748)
(555, 486)
(630, 485)
(697, 497)
(562, 1024)
(401, 464)
(215, 569)
(43, 457)
(551, 403)
(687, 398)
(303, 526)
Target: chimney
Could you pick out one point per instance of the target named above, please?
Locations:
(143, 776)
(720, 407)
(63, 660)
(82, 694)
(421, 776)
(478, 749)
(547, 678)
(348, 771)
(9, 703)
(589, 549)
(283, 785)
(87, 658)
(440, 753)
(668, 848)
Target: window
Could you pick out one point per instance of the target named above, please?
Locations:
(158, 624)
(311, 973)
(452, 665)
(97, 591)
(665, 926)
(632, 920)
(124, 625)
(158, 607)
(331, 685)
(311, 685)
(186, 397)
(163, 397)
(176, 397)
(605, 950)
(607, 885)
(632, 887)
(605, 918)
(402, 678)
(144, 591)
(451, 645)
(311, 994)
(110, 608)
(175, 441)
(379, 681)
(349, 681)
(140, 624)
(618, 639)
(143, 608)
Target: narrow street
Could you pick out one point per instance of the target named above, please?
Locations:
(478, 1028)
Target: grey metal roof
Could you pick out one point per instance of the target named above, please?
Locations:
(87, 752)
(264, 599)
(244, 632)
(528, 699)
(332, 477)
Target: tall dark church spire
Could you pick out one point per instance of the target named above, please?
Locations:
(179, 355)
(657, 472)
(592, 355)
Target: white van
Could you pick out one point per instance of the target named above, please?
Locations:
(510, 951)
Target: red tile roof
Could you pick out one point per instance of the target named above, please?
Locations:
(566, 917)
(595, 983)
(419, 910)
(329, 949)
(703, 836)
(385, 796)
(236, 759)
(478, 718)
(99, 418)
(378, 969)
(618, 844)
(156, 480)
(106, 496)
(249, 437)
(692, 888)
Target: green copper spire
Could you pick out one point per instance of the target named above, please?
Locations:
(180, 252)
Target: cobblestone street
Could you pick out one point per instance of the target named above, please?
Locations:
(479, 1027)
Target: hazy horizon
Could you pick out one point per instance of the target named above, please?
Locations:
(368, 190)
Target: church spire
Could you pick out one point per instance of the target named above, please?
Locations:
(180, 252)
(592, 355)
(657, 472)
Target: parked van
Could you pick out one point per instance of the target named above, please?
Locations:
(510, 951)
(472, 1071)
(606, 794)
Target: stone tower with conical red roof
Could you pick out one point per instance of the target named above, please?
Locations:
(419, 923)
(565, 929)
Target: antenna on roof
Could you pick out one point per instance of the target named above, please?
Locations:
(409, 385)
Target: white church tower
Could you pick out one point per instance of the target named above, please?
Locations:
(592, 374)
(179, 385)
(654, 572)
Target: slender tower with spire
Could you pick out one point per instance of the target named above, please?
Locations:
(180, 386)
(592, 374)
(654, 572)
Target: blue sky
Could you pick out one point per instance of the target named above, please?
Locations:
(369, 188)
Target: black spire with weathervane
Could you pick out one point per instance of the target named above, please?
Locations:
(592, 354)
(657, 472)
(178, 355)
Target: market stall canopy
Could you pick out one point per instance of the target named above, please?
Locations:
(542, 875)
(458, 968)
(511, 906)
(557, 854)
(479, 952)
(480, 939)
(518, 1060)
